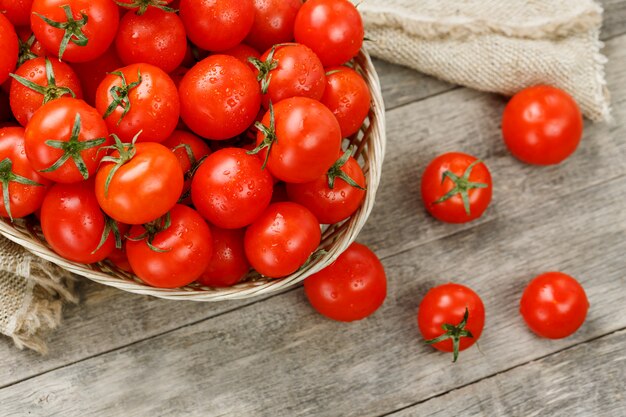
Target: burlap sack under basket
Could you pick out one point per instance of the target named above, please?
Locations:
(492, 45)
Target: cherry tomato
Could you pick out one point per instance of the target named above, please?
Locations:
(348, 97)
(170, 252)
(230, 189)
(243, 52)
(451, 318)
(290, 70)
(144, 182)
(23, 190)
(228, 263)
(141, 6)
(91, 73)
(351, 288)
(76, 31)
(554, 305)
(219, 97)
(542, 125)
(333, 29)
(74, 225)
(282, 239)
(10, 48)
(29, 46)
(281, 133)
(17, 11)
(63, 140)
(142, 39)
(273, 23)
(217, 25)
(39, 81)
(456, 188)
(139, 97)
(119, 259)
(334, 196)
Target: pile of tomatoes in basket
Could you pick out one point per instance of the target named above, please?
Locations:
(185, 140)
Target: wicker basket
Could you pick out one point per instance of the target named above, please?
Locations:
(370, 144)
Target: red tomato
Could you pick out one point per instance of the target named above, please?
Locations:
(63, 140)
(282, 239)
(290, 70)
(170, 253)
(281, 133)
(119, 259)
(348, 97)
(333, 29)
(273, 23)
(139, 97)
(219, 97)
(10, 48)
(456, 188)
(451, 318)
(92, 73)
(144, 182)
(23, 189)
(228, 263)
(74, 225)
(230, 189)
(76, 31)
(39, 81)
(351, 288)
(141, 6)
(17, 11)
(554, 305)
(334, 196)
(29, 46)
(242, 52)
(542, 125)
(217, 25)
(142, 39)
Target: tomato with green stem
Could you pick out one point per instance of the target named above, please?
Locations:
(456, 188)
(10, 48)
(348, 97)
(228, 262)
(91, 73)
(243, 53)
(451, 318)
(273, 23)
(141, 6)
(29, 46)
(63, 140)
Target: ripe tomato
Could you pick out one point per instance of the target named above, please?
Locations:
(17, 11)
(217, 25)
(456, 188)
(63, 140)
(29, 47)
(273, 23)
(280, 140)
(348, 97)
(139, 97)
(91, 73)
(76, 31)
(243, 52)
(219, 97)
(119, 259)
(351, 288)
(10, 48)
(554, 305)
(282, 239)
(39, 81)
(290, 70)
(334, 196)
(23, 189)
(139, 183)
(542, 125)
(172, 251)
(74, 225)
(141, 6)
(230, 189)
(333, 29)
(228, 263)
(451, 318)
(142, 39)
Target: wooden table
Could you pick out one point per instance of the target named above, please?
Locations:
(119, 354)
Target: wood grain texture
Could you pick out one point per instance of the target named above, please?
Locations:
(553, 386)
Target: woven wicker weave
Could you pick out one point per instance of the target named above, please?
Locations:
(370, 145)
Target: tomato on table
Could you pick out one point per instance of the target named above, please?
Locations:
(456, 188)
(451, 318)
(348, 97)
(10, 48)
(273, 23)
(228, 263)
(542, 125)
(554, 305)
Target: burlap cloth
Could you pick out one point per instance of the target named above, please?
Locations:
(492, 45)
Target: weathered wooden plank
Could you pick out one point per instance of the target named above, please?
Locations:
(614, 18)
(280, 358)
(586, 380)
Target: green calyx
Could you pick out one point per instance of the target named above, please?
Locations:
(72, 149)
(7, 176)
(73, 29)
(336, 172)
(50, 91)
(265, 67)
(455, 333)
(269, 134)
(126, 152)
(142, 5)
(26, 52)
(110, 226)
(151, 230)
(120, 95)
(462, 185)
